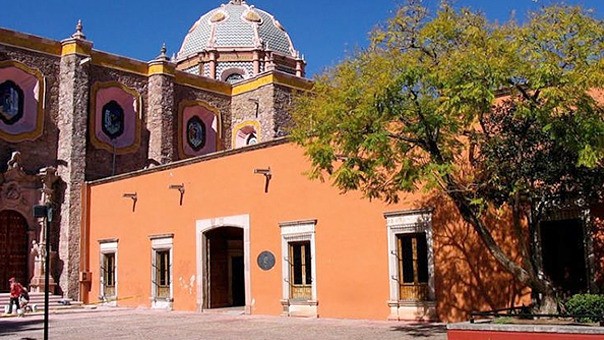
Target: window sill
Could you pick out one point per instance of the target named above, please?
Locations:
(301, 308)
(412, 310)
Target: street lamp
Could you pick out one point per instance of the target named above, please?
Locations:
(45, 211)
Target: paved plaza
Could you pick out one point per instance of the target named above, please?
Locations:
(148, 324)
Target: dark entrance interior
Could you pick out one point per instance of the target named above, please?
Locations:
(564, 254)
(13, 249)
(225, 280)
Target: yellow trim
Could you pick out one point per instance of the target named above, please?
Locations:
(38, 129)
(160, 68)
(181, 110)
(252, 85)
(243, 124)
(26, 41)
(73, 46)
(202, 83)
(119, 63)
(293, 82)
(272, 78)
(99, 144)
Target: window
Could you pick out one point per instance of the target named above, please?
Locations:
(251, 139)
(11, 102)
(412, 255)
(108, 270)
(234, 78)
(161, 271)
(113, 118)
(196, 133)
(300, 270)
(108, 259)
(246, 133)
(410, 265)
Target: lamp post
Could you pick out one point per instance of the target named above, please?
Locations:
(45, 212)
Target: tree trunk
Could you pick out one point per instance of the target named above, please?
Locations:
(547, 302)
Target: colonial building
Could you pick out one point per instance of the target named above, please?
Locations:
(83, 114)
(173, 187)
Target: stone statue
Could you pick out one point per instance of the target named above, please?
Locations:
(15, 160)
(35, 250)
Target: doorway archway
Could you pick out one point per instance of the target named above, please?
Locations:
(223, 263)
(224, 275)
(13, 249)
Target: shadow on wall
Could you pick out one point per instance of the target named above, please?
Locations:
(467, 277)
(598, 247)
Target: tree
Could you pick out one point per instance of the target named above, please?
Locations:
(494, 116)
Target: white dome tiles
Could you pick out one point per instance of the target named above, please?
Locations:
(236, 26)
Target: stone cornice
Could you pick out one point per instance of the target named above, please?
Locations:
(29, 42)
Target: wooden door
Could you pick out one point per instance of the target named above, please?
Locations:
(13, 249)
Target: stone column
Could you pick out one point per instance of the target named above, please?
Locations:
(161, 119)
(48, 177)
(213, 64)
(72, 125)
(256, 61)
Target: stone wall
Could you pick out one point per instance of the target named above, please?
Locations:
(244, 109)
(281, 118)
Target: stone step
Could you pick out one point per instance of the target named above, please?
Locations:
(37, 300)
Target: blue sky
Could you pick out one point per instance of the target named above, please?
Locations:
(323, 31)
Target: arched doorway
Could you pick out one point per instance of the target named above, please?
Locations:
(13, 249)
(224, 268)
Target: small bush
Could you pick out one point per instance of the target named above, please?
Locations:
(586, 304)
(502, 320)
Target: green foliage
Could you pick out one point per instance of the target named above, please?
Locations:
(586, 304)
(397, 116)
(491, 115)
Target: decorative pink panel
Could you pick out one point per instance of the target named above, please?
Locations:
(110, 128)
(199, 131)
(26, 88)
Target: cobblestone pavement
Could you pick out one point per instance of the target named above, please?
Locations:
(147, 324)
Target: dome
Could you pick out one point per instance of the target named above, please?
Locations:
(236, 25)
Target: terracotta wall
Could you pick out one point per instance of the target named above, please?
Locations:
(351, 236)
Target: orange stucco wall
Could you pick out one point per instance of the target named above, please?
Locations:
(351, 236)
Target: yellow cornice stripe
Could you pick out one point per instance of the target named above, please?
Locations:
(202, 83)
(160, 68)
(75, 47)
(252, 85)
(293, 82)
(30, 42)
(119, 63)
(273, 78)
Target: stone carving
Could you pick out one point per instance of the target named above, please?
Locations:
(11, 192)
(15, 160)
(48, 176)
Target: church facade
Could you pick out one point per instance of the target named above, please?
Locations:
(85, 114)
(173, 186)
